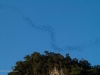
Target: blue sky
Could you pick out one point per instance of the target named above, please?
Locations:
(62, 26)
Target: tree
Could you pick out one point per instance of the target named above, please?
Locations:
(42, 64)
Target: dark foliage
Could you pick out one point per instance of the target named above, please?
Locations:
(41, 64)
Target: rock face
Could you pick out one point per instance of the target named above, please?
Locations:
(56, 71)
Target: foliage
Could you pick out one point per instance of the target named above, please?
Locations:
(41, 64)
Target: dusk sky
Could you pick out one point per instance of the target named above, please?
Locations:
(60, 26)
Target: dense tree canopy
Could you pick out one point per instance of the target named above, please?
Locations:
(41, 64)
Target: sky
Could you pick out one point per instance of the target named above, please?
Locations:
(60, 26)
